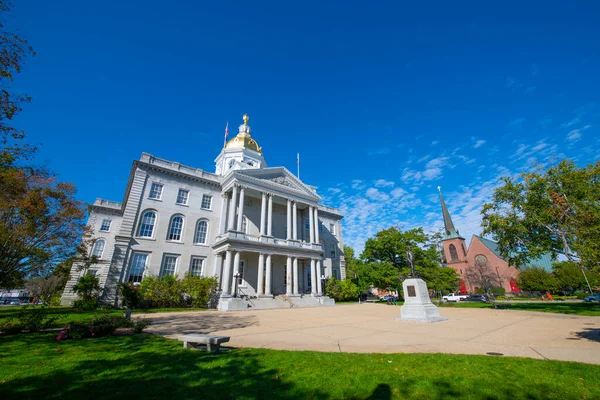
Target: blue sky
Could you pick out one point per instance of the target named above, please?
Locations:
(384, 101)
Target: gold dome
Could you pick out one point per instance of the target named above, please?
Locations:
(244, 139)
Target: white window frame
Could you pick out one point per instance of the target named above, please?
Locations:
(153, 225)
(160, 192)
(210, 202)
(95, 248)
(242, 279)
(187, 197)
(332, 228)
(144, 267)
(103, 223)
(181, 228)
(163, 263)
(320, 226)
(244, 224)
(333, 251)
(205, 234)
(201, 260)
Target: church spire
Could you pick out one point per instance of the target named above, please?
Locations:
(449, 228)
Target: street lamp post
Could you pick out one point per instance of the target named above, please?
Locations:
(323, 284)
(236, 276)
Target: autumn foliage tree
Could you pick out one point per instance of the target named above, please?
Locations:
(41, 222)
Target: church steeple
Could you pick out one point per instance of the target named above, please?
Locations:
(450, 230)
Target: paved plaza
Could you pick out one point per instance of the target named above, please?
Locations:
(373, 328)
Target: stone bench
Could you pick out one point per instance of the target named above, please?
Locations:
(213, 343)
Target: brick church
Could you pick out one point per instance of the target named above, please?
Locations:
(480, 265)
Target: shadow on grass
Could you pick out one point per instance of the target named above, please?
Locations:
(205, 322)
(140, 369)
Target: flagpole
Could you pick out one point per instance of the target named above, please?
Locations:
(226, 134)
(298, 162)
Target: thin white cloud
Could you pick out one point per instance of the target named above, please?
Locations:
(434, 142)
(383, 183)
(574, 135)
(516, 123)
(478, 144)
(375, 194)
(432, 173)
(572, 122)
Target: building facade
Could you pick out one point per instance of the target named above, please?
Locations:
(481, 266)
(261, 231)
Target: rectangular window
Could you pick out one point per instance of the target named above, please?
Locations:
(307, 223)
(168, 266)
(182, 197)
(138, 265)
(156, 191)
(333, 251)
(206, 202)
(92, 271)
(244, 224)
(105, 227)
(241, 271)
(196, 266)
(320, 226)
(332, 228)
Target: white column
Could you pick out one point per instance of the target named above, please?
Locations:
(270, 217)
(289, 219)
(226, 279)
(316, 225)
(268, 275)
(311, 224)
(295, 266)
(218, 265)
(313, 278)
(231, 216)
(294, 222)
(261, 274)
(319, 281)
(240, 210)
(223, 220)
(263, 214)
(288, 281)
(236, 269)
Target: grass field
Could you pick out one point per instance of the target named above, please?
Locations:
(67, 314)
(151, 367)
(559, 307)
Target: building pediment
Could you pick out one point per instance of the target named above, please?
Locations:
(277, 178)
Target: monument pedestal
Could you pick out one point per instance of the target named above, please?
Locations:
(232, 304)
(417, 305)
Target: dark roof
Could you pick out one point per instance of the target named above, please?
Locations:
(544, 261)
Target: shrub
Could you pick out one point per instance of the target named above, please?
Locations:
(165, 291)
(35, 318)
(198, 290)
(10, 327)
(130, 294)
(332, 288)
(341, 290)
(87, 289)
(498, 291)
(140, 324)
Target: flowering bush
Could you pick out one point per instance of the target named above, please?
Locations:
(140, 324)
(104, 325)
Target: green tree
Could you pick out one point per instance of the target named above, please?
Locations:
(537, 280)
(554, 211)
(87, 289)
(569, 277)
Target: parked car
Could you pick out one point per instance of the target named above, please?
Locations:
(454, 297)
(594, 297)
(389, 298)
(477, 298)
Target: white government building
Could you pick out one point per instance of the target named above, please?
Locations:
(262, 225)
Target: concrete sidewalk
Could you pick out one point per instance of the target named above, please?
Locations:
(373, 328)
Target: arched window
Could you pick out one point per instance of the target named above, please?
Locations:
(201, 231)
(98, 248)
(453, 253)
(147, 224)
(464, 249)
(175, 228)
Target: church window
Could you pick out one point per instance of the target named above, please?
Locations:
(138, 265)
(105, 225)
(480, 259)
(169, 265)
(464, 249)
(175, 228)
(98, 248)
(147, 224)
(453, 253)
(182, 197)
(201, 231)
(206, 202)
(156, 191)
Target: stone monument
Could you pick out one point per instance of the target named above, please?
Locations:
(417, 305)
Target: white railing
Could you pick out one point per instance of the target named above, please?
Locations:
(269, 240)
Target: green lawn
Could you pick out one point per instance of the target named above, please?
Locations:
(559, 307)
(151, 367)
(68, 314)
